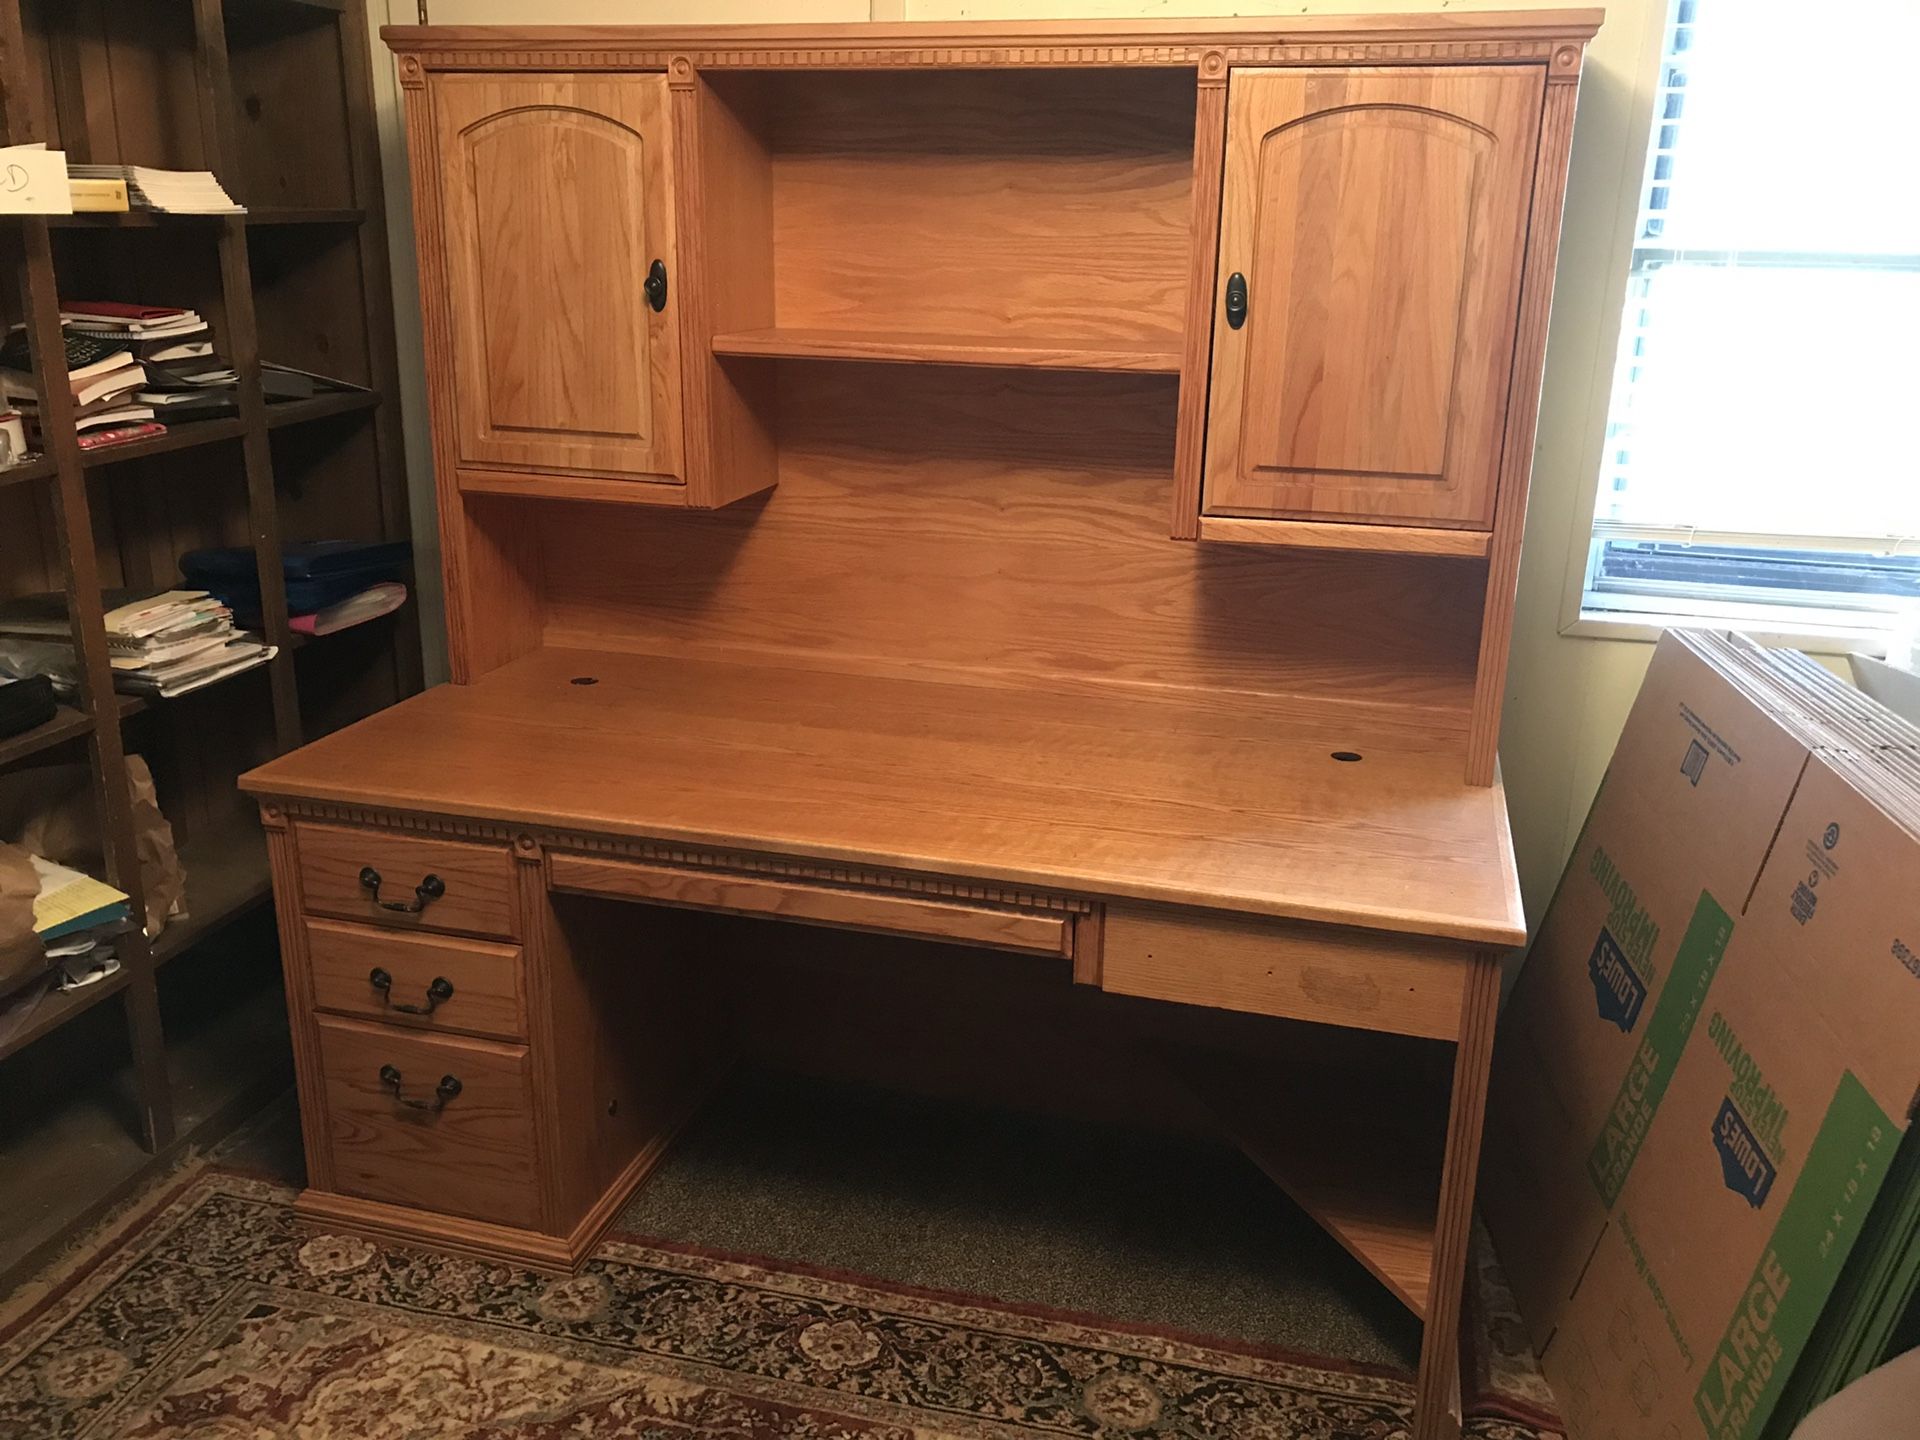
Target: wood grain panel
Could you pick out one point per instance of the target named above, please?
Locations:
(725, 194)
(1183, 797)
(1523, 414)
(1356, 978)
(1378, 217)
(996, 928)
(987, 203)
(1007, 525)
(556, 196)
(473, 1157)
(478, 880)
(487, 997)
(1333, 535)
(1142, 354)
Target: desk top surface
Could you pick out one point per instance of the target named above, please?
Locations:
(1183, 797)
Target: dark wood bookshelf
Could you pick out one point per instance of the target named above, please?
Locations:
(276, 98)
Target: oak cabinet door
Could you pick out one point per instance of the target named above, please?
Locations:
(1372, 229)
(556, 202)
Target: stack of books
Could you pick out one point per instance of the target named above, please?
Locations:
(102, 375)
(171, 192)
(161, 645)
(184, 379)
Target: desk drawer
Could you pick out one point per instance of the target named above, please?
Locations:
(470, 986)
(1366, 979)
(471, 1153)
(475, 882)
(957, 921)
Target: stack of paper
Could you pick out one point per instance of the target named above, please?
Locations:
(173, 192)
(77, 918)
(161, 645)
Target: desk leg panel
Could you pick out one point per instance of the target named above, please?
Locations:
(1436, 1413)
(283, 862)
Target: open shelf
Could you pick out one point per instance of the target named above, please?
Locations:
(226, 870)
(37, 468)
(132, 219)
(342, 402)
(297, 216)
(57, 1007)
(179, 437)
(67, 724)
(1157, 354)
(1359, 1163)
(71, 1157)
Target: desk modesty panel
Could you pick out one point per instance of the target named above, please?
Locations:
(995, 525)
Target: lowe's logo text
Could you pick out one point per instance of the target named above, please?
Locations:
(1744, 1165)
(1617, 990)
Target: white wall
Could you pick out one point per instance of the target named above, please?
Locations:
(1567, 696)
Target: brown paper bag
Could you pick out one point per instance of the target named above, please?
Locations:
(22, 956)
(50, 812)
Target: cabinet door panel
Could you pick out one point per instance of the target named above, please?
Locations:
(1379, 218)
(556, 198)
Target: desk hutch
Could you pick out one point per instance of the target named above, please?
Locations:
(1040, 501)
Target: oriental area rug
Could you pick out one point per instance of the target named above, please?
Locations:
(208, 1314)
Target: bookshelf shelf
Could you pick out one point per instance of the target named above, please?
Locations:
(67, 724)
(180, 437)
(36, 469)
(129, 220)
(275, 98)
(264, 218)
(59, 1006)
(296, 412)
(227, 875)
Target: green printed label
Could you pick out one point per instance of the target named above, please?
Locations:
(1797, 1270)
(1651, 1070)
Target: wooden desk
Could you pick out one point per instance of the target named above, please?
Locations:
(1035, 502)
(1180, 848)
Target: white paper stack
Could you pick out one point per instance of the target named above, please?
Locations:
(171, 192)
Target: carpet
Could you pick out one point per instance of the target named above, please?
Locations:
(208, 1313)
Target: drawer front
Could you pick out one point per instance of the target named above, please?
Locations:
(475, 882)
(474, 987)
(958, 921)
(1365, 979)
(473, 1155)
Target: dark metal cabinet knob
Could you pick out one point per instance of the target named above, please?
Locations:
(440, 989)
(656, 285)
(430, 889)
(448, 1087)
(1236, 300)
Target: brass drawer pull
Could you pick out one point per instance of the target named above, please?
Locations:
(440, 989)
(448, 1087)
(424, 894)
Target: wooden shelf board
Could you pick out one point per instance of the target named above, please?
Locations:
(226, 870)
(1325, 535)
(67, 724)
(298, 216)
(180, 437)
(57, 1007)
(1146, 354)
(1346, 1159)
(590, 488)
(342, 402)
(131, 219)
(38, 468)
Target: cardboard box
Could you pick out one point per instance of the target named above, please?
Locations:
(1713, 1049)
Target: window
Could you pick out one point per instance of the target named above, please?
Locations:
(1761, 463)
